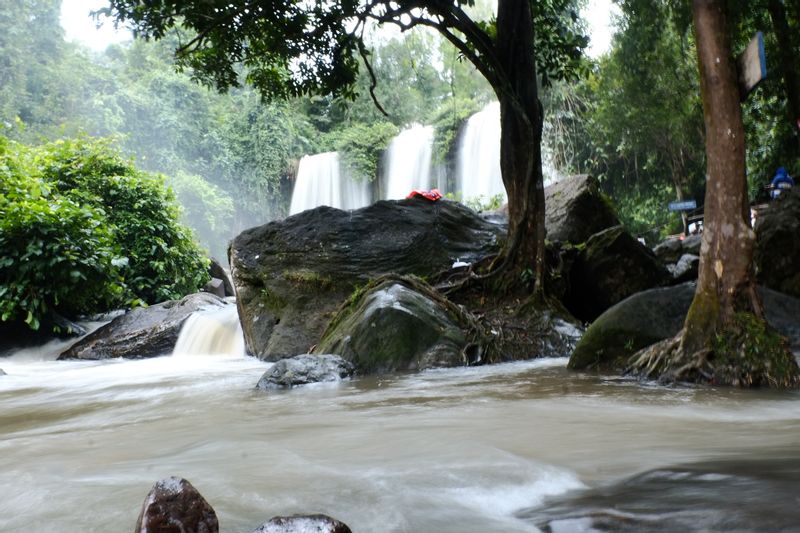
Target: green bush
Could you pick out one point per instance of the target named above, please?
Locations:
(82, 231)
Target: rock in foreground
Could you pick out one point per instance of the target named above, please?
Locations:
(316, 523)
(173, 505)
(292, 275)
(305, 369)
(395, 326)
(142, 332)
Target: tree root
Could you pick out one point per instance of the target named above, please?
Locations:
(731, 359)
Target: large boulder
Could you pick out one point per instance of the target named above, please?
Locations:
(394, 326)
(173, 505)
(611, 266)
(575, 209)
(777, 253)
(142, 332)
(305, 369)
(315, 523)
(291, 275)
(654, 315)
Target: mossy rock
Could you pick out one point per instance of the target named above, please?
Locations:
(652, 316)
(394, 327)
(639, 321)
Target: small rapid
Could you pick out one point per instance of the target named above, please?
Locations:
(465, 449)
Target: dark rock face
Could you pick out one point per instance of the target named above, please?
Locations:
(305, 369)
(291, 275)
(392, 327)
(315, 523)
(215, 270)
(612, 266)
(654, 315)
(575, 209)
(142, 332)
(174, 505)
(777, 255)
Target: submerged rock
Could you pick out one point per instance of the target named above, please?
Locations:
(174, 505)
(315, 523)
(393, 327)
(610, 267)
(575, 209)
(305, 369)
(654, 315)
(142, 332)
(777, 255)
(292, 275)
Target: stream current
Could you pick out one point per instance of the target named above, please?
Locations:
(514, 447)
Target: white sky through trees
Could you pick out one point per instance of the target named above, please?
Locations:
(80, 27)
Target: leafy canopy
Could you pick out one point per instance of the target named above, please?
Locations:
(83, 231)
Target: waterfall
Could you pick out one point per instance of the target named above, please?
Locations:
(320, 181)
(215, 332)
(408, 162)
(478, 170)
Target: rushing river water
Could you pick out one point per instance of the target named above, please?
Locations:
(500, 448)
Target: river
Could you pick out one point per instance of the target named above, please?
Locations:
(497, 448)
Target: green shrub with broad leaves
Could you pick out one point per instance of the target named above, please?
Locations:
(83, 231)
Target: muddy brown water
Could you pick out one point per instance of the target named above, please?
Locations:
(516, 447)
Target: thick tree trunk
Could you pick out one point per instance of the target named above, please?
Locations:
(724, 339)
(726, 282)
(520, 141)
(791, 78)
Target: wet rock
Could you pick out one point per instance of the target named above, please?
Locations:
(315, 523)
(777, 255)
(305, 369)
(394, 327)
(16, 334)
(610, 267)
(174, 505)
(292, 275)
(685, 269)
(216, 270)
(654, 315)
(142, 332)
(2, 373)
(575, 209)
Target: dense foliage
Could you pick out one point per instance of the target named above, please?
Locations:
(83, 231)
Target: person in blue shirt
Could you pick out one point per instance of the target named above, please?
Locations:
(781, 182)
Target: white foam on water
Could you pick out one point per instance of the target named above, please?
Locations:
(214, 332)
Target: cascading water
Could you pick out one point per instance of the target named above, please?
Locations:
(320, 181)
(478, 171)
(408, 162)
(215, 332)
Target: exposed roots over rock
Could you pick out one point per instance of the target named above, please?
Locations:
(747, 353)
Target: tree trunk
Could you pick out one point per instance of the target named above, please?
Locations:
(724, 339)
(520, 140)
(786, 61)
(726, 280)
